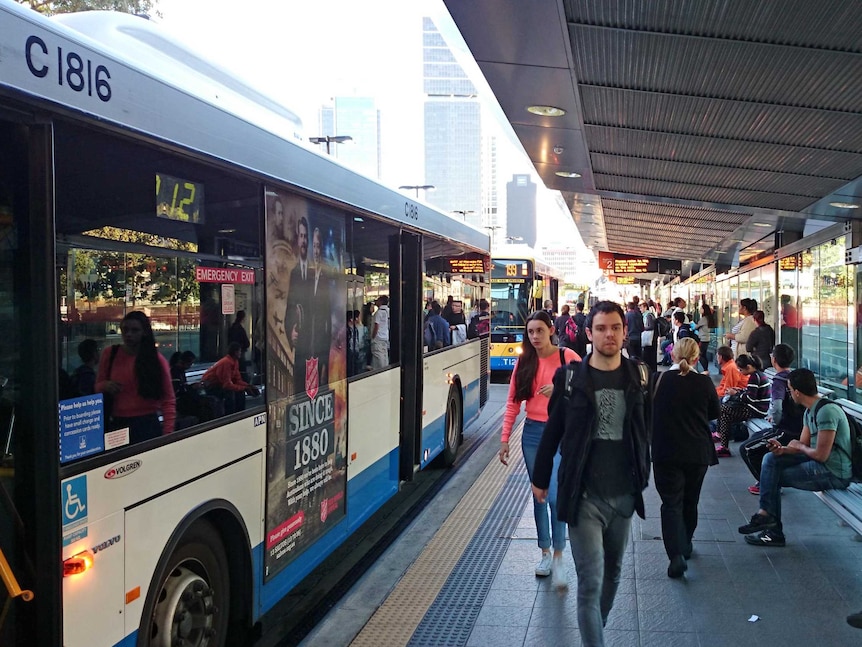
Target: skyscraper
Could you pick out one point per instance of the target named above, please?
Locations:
(521, 209)
(453, 131)
(359, 118)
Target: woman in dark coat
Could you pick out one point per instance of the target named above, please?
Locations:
(682, 449)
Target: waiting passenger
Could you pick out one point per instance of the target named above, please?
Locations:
(731, 378)
(784, 414)
(819, 460)
(761, 340)
(457, 323)
(84, 377)
(739, 334)
(683, 405)
(532, 382)
(224, 381)
(137, 382)
(380, 334)
(752, 402)
(704, 331)
(437, 332)
(480, 323)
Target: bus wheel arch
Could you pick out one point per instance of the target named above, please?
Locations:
(197, 592)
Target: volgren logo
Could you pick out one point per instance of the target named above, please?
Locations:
(122, 469)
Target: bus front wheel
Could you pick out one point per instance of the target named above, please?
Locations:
(189, 606)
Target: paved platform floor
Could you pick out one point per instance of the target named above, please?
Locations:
(800, 593)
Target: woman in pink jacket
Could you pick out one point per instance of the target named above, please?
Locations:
(137, 381)
(532, 382)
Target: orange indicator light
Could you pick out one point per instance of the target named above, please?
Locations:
(78, 564)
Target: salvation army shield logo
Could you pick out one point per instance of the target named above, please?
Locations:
(324, 510)
(312, 377)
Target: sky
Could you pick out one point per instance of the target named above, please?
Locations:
(304, 53)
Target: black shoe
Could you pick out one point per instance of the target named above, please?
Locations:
(766, 538)
(758, 522)
(855, 620)
(677, 567)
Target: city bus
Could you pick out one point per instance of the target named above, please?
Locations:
(520, 283)
(138, 177)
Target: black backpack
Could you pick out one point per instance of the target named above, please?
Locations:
(792, 413)
(855, 437)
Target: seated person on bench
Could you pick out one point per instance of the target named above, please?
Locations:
(819, 460)
(224, 381)
(784, 414)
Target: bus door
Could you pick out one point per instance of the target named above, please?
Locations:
(408, 331)
(29, 541)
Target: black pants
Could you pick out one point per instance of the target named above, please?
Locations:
(704, 360)
(678, 485)
(649, 357)
(634, 345)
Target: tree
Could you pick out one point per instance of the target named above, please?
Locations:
(52, 7)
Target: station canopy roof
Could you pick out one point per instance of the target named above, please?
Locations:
(699, 129)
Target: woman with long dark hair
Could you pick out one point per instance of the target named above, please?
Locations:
(136, 381)
(532, 382)
(682, 449)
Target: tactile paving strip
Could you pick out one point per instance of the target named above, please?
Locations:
(438, 599)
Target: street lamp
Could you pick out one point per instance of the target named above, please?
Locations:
(463, 213)
(330, 139)
(416, 187)
(493, 229)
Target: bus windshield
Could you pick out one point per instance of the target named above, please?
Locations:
(511, 283)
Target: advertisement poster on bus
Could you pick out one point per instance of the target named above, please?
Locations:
(307, 375)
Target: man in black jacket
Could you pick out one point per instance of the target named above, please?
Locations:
(598, 418)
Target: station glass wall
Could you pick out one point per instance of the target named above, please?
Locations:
(810, 300)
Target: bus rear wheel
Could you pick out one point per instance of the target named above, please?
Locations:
(454, 427)
(189, 606)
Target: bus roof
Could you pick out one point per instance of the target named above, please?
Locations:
(151, 85)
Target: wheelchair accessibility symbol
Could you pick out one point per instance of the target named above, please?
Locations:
(75, 501)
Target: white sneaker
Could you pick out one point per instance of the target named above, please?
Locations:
(558, 573)
(543, 568)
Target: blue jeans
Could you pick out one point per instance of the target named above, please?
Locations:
(796, 471)
(545, 527)
(598, 545)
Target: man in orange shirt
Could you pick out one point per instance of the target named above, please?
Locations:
(731, 377)
(224, 381)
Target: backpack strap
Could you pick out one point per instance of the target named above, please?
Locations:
(114, 350)
(562, 357)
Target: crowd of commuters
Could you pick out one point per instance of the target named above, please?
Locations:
(596, 426)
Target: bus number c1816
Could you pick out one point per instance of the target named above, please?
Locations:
(77, 73)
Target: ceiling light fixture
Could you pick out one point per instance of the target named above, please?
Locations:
(546, 111)
(567, 174)
(762, 224)
(844, 205)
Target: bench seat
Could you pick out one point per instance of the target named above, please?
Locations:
(847, 504)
